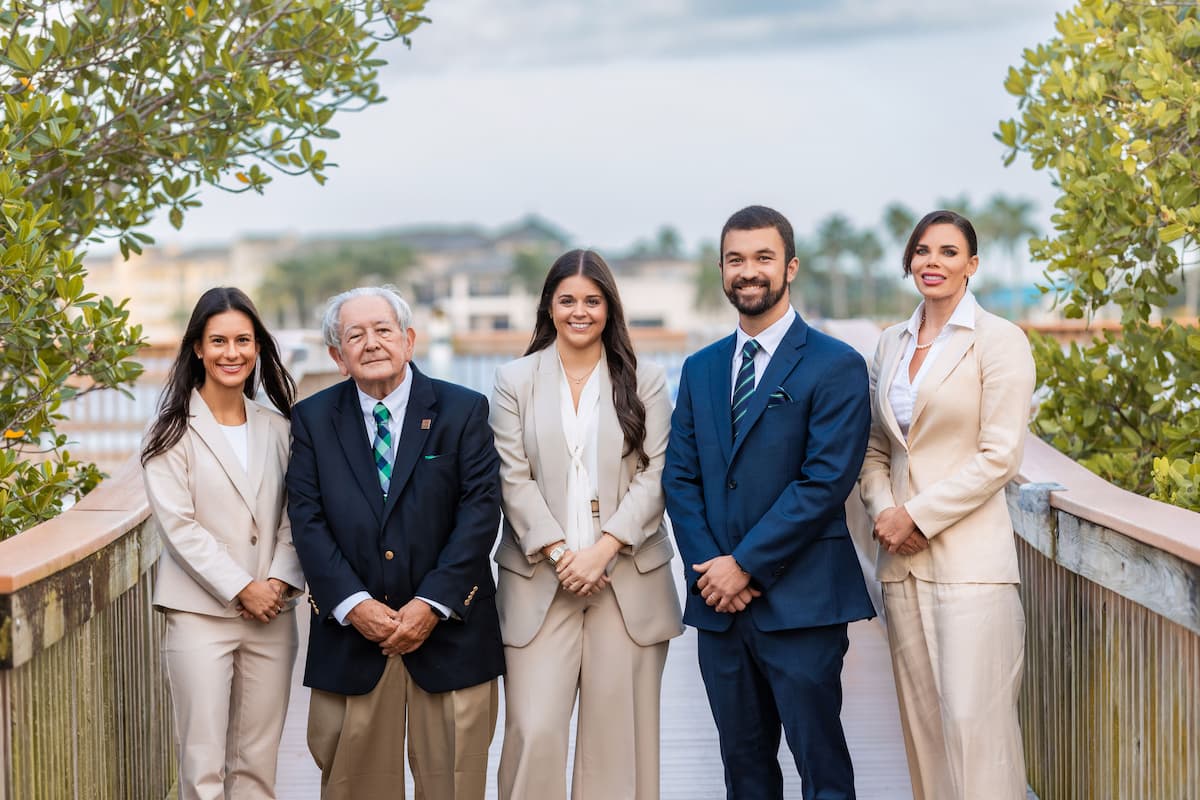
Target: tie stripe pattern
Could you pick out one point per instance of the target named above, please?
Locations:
(743, 387)
(382, 446)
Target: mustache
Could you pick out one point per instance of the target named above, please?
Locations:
(741, 284)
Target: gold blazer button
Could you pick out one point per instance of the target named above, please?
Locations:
(389, 555)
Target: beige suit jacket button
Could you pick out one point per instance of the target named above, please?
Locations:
(253, 540)
(389, 555)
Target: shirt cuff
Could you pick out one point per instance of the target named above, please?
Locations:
(346, 606)
(439, 609)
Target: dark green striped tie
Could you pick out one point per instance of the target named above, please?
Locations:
(382, 446)
(743, 387)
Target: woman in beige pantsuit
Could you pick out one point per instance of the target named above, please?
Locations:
(214, 461)
(950, 394)
(586, 598)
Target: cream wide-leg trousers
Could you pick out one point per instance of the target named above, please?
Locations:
(958, 653)
(582, 648)
(230, 680)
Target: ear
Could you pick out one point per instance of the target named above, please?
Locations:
(336, 355)
(793, 267)
(972, 266)
(196, 349)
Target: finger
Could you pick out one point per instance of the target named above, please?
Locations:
(703, 567)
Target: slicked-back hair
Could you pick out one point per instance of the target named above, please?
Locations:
(940, 217)
(187, 371)
(331, 330)
(753, 218)
(618, 349)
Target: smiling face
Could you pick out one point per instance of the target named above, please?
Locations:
(374, 350)
(228, 350)
(755, 274)
(579, 311)
(942, 262)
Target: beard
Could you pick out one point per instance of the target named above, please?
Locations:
(750, 307)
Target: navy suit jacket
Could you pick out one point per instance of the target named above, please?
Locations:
(433, 536)
(775, 498)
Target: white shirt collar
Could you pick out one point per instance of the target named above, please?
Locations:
(396, 402)
(963, 316)
(768, 339)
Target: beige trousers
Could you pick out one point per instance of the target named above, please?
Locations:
(229, 681)
(958, 653)
(358, 740)
(582, 648)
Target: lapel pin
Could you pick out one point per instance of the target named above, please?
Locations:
(425, 423)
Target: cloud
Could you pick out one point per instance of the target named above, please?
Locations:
(484, 35)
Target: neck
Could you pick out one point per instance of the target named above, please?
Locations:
(754, 325)
(225, 403)
(939, 310)
(579, 360)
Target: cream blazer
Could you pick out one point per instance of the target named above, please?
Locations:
(968, 429)
(526, 419)
(221, 527)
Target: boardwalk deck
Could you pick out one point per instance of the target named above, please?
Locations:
(691, 762)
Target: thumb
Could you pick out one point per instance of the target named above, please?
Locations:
(702, 567)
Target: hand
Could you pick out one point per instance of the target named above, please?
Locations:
(582, 572)
(724, 585)
(259, 600)
(281, 588)
(415, 620)
(373, 620)
(914, 544)
(893, 526)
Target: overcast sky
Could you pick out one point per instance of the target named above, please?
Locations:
(612, 119)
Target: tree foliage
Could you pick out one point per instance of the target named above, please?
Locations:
(1111, 108)
(114, 111)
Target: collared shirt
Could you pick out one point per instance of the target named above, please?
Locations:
(768, 342)
(397, 406)
(903, 393)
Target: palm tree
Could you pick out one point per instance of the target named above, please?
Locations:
(867, 250)
(835, 239)
(1007, 223)
(899, 220)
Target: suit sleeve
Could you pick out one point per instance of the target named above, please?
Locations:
(524, 507)
(875, 479)
(1008, 376)
(839, 420)
(464, 558)
(330, 577)
(192, 546)
(683, 486)
(639, 513)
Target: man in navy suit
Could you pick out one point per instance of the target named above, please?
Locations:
(394, 501)
(767, 438)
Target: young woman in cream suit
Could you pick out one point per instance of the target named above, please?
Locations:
(951, 393)
(586, 598)
(214, 461)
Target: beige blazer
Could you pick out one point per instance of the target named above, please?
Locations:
(221, 527)
(964, 444)
(526, 418)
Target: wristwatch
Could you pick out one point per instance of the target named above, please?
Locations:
(558, 552)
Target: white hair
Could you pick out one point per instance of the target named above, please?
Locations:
(330, 327)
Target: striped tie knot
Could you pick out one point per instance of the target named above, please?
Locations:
(382, 446)
(743, 387)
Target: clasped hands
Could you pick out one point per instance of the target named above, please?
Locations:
(262, 600)
(896, 531)
(724, 585)
(397, 631)
(582, 572)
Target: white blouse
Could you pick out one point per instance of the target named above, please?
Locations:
(580, 428)
(236, 436)
(902, 394)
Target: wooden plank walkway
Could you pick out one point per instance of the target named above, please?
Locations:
(691, 759)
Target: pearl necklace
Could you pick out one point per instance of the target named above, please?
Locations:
(919, 329)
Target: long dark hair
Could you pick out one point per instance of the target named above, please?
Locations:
(187, 372)
(622, 362)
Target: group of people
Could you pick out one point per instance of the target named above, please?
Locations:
(383, 496)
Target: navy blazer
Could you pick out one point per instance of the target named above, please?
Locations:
(775, 498)
(433, 536)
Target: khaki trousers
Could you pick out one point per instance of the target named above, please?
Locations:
(229, 681)
(358, 740)
(958, 653)
(582, 648)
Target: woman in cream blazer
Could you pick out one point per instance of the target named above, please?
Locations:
(227, 579)
(585, 595)
(950, 393)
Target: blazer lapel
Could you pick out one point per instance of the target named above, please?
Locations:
(887, 376)
(257, 430)
(958, 345)
(720, 384)
(547, 424)
(352, 436)
(205, 425)
(610, 444)
(785, 359)
(419, 419)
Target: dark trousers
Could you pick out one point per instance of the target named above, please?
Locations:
(758, 683)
